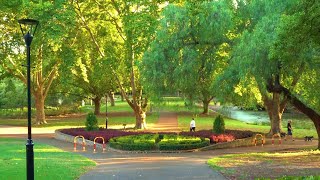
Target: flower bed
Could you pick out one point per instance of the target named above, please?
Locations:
(228, 136)
(111, 133)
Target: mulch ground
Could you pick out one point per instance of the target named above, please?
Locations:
(271, 165)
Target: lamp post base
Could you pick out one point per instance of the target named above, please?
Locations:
(30, 160)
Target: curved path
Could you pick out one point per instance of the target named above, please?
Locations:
(156, 166)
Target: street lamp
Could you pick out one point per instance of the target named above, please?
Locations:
(28, 28)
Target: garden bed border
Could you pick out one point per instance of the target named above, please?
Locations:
(232, 144)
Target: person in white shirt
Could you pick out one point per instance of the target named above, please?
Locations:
(193, 125)
(143, 119)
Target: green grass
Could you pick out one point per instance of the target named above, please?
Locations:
(176, 105)
(119, 107)
(79, 122)
(50, 163)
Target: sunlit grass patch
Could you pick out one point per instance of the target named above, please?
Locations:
(49, 162)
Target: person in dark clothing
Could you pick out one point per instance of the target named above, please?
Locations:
(289, 127)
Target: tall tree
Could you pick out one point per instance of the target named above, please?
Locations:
(49, 47)
(252, 61)
(189, 50)
(89, 72)
(299, 40)
(134, 23)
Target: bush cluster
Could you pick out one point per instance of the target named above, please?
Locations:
(218, 125)
(174, 142)
(158, 141)
(91, 122)
(142, 142)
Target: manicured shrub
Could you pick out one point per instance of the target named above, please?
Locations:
(183, 144)
(91, 122)
(152, 141)
(137, 146)
(135, 142)
(218, 125)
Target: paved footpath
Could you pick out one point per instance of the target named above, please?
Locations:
(113, 165)
(168, 121)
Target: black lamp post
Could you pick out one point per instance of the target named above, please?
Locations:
(28, 28)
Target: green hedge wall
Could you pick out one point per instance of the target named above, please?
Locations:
(157, 142)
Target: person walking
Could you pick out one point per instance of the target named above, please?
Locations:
(289, 127)
(193, 125)
(143, 120)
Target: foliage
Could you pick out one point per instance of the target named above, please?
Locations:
(218, 125)
(153, 142)
(50, 46)
(63, 165)
(91, 122)
(185, 145)
(189, 50)
(135, 142)
(12, 94)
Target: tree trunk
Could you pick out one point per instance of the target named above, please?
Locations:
(122, 97)
(111, 97)
(276, 115)
(275, 111)
(40, 114)
(97, 104)
(312, 114)
(139, 120)
(205, 106)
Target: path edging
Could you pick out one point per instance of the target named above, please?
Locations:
(232, 144)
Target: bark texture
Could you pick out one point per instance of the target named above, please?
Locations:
(97, 105)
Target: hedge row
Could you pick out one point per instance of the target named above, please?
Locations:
(176, 145)
(157, 141)
(141, 146)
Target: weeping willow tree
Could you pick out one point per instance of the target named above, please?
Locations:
(254, 73)
(190, 50)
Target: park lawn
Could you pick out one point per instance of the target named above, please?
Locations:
(50, 163)
(283, 165)
(176, 105)
(207, 123)
(119, 107)
(80, 121)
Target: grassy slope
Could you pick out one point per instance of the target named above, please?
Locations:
(49, 162)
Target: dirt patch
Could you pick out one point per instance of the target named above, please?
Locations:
(269, 165)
